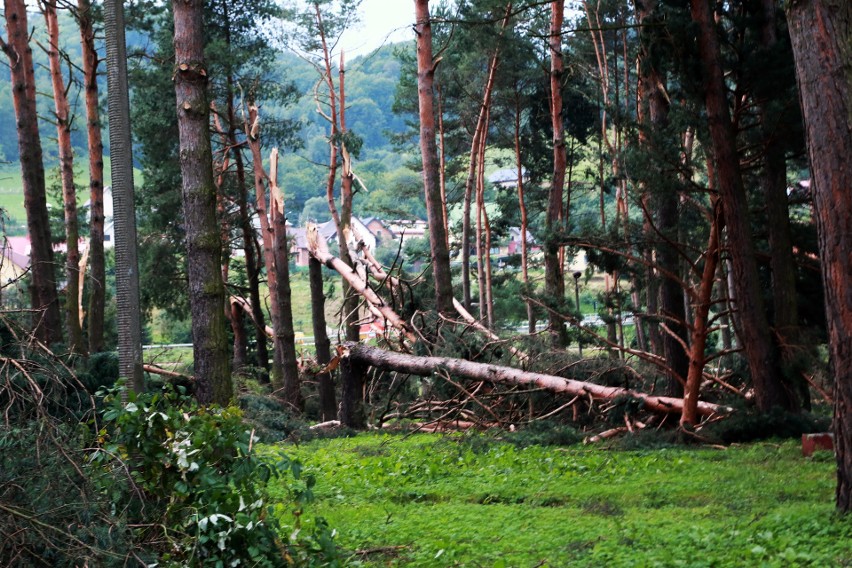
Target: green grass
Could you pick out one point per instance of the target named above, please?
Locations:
(447, 502)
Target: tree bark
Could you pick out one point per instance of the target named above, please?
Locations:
(239, 330)
(434, 210)
(62, 114)
(248, 233)
(285, 337)
(266, 231)
(821, 32)
(43, 297)
(554, 279)
(671, 306)
(774, 184)
(97, 267)
(700, 325)
(523, 210)
(425, 366)
(204, 247)
(472, 179)
(757, 341)
(328, 404)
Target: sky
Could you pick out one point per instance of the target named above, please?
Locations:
(382, 21)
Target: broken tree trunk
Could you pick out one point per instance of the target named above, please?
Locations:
(424, 366)
(319, 250)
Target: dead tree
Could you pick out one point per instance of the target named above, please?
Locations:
(426, 366)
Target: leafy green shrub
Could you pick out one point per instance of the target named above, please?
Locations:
(197, 487)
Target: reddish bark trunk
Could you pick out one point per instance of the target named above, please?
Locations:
(43, 297)
(700, 324)
(97, 268)
(266, 231)
(821, 31)
(249, 238)
(434, 210)
(757, 341)
(471, 182)
(206, 291)
(62, 113)
(523, 209)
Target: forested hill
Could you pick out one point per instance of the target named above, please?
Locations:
(69, 43)
(371, 83)
(370, 87)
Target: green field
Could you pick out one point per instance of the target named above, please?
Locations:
(12, 193)
(429, 500)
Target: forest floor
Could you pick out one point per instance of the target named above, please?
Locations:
(432, 500)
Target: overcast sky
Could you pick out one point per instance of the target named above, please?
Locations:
(382, 21)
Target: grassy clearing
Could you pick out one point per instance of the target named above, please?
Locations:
(465, 502)
(12, 192)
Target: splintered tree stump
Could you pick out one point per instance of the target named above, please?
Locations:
(814, 442)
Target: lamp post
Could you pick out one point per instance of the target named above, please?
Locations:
(577, 300)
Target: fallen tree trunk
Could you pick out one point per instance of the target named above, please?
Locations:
(378, 272)
(153, 369)
(424, 366)
(318, 249)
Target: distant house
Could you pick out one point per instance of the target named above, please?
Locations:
(298, 245)
(507, 177)
(405, 229)
(379, 229)
(514, 244)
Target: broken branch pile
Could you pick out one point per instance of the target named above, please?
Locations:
(425, 366)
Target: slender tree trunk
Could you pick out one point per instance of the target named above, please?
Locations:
(266, 232)
(248, 234)
(346, 240)
(554, 279)
(474, 167)
(328, 404)
(240, 340)
(442, 164)
(97, 268)
(249, 237)
(821, 31)
(486, 228)
(62, 112)
(700, 326)
(774, 185)
(671, 306)
(124, 211)
(434, 210)
(759, 349)
(285, 337)
(204, 249)
(524, 218)
(43, 297)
